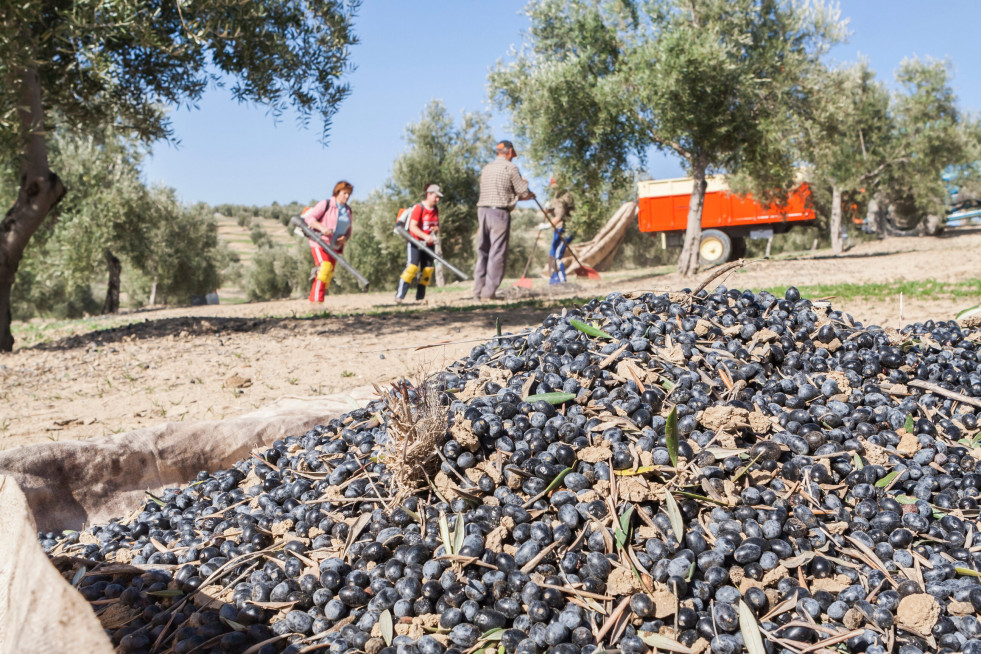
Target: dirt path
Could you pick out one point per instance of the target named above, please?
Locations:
(214, 362)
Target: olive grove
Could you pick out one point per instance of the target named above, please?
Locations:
(93, 65)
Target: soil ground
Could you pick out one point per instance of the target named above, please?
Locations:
(107, 375)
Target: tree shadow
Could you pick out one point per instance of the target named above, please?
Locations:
(385, 323)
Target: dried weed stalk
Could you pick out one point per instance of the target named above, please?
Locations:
(415, 428)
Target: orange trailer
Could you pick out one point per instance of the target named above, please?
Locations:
(727, 219)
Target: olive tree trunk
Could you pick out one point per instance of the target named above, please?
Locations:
(837, 244)
(115, 266)
(40, 190)
(688, 262)
(874, 218)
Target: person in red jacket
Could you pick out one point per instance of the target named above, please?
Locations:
(332, 218)
(423, 224)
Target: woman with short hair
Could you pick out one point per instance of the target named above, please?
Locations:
(332, 218)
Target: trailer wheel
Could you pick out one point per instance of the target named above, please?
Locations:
(714, 248)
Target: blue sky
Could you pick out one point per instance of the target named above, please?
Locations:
(413, 51)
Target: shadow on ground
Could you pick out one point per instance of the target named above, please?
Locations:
(512, 317)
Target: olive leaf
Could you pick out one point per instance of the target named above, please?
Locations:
(157, 500)
(492, 634)
(459, 532)
(662, 642)
(967, 571)
(558, 480)
(746, 468)
(752, 638)
(798, 561)
(857, 461)
(701, 498)
(885, 481)
(77, 579)
(671, 436)
(622, 531)
(165, 593)
(968, 312)
(588, 330)
(910, 425)
(552, 398)
(237, 626)
(386, 626)
(444, 533)
(674, 513)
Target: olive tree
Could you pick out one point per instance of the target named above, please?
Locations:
(97, 63)
(846, 134)
(856, 135)
(715, 82)
(930, 134)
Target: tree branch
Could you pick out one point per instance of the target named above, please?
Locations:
(885, 164)
(677, 147)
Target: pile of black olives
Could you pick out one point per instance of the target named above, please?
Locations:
(696, 472)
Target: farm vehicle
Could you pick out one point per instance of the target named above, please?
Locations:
(727, 219)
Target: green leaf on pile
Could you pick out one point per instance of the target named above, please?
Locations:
(909, 426)
(552, 398)
(752, 638)
(558, 480)
(386, 626)
(492, 634)
(459, 532)
(857, 461)
(622, 531)
(156, 500)
(589, 330)
(674, 513)
(671, 436)
(968, 312)
(444, 533)
(885, 481)
(170, 592)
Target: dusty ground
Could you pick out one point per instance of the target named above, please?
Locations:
(121, 373)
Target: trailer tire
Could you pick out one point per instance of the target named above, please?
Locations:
(715, 248)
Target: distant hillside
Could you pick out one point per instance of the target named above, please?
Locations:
(239, 240)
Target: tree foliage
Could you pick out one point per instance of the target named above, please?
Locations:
(930, 134)
(121, 64)
(715, 82)
(112, 213)
(890, 148)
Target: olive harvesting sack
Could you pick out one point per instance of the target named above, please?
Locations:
(71, 484)
(40, 612)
